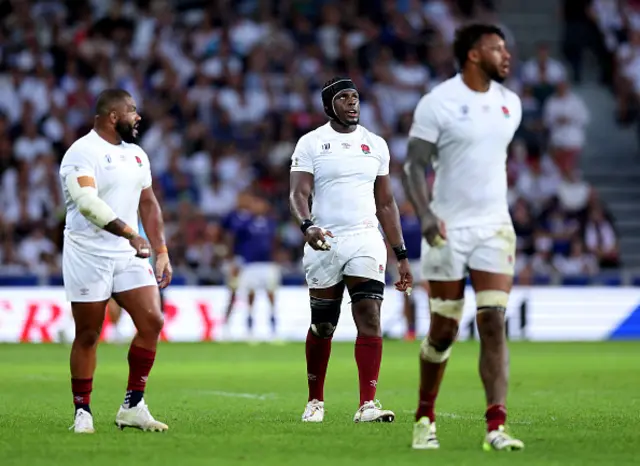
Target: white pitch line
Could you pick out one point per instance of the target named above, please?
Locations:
(251, 396)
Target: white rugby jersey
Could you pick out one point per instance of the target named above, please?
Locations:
(472, 131)
(121, 172)
(344, 168)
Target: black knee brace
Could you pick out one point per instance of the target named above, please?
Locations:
(325, 314)
(371, 289)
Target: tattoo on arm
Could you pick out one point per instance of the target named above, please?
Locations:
(119, 228)
(420, 155)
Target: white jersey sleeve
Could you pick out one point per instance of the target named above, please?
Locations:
(384, 159)
(302, 158)
(517, 110)
(78, 163)
(426, 124)
(147, 182)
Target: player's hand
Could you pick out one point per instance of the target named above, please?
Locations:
(141, 245)
(405, 284)
(164, 271)
(316, 237)
(433, 230)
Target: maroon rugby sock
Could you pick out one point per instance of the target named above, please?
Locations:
(140, 364)
(318, 351)
(368, 353)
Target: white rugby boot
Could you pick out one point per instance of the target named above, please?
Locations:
(83, 422)
(313, 412)
(424, 435)
(139, 417)
(372, 411)
(501, 441)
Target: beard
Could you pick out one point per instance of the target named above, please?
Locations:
(125, 130)
(493, 73)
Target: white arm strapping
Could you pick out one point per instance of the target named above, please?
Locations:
(89, 204)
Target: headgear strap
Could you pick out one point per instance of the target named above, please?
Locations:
(333, 90)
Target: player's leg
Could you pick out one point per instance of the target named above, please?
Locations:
(135, 290)
(444, 270)
(273, 280)
(325, 313)
(364, 276)
(232, 278)
(87, 283)
(251, 298)
(409, 310)
(366, 299)
(114, 314)
(248, 278)
(88, 318)
(271, 297)
(491, 269)
(446, 305)
(323, 271)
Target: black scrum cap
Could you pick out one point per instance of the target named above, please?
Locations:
(333, 89)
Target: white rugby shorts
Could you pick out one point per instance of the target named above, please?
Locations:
(488, 249)
(259, 276)
(91, 278)
(358, 255)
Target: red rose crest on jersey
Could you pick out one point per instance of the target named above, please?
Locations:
(505, 112)
(365, 149)
(139, 161)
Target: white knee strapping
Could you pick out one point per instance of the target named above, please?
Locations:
(429, 353)
(491, 299)
(451, 309)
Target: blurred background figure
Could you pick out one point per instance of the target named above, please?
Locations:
(226, 88)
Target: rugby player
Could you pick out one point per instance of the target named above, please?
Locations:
(464, 126)
(346, 169)
(106, 180)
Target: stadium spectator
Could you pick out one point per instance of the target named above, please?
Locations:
(566, 116)
(224, 93)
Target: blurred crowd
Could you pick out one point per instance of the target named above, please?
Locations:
(616, 39)
(225, 88)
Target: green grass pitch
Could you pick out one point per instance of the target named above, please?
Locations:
(228, 404)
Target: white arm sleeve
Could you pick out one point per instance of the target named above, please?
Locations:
(302, 159)
(426, 124)
(89, 204)
(385, 158)
(75, 165)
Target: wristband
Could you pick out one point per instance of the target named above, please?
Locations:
(400, 252)
(162, 250)
(305, 226)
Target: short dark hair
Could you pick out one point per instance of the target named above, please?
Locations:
(468, 36)
(108, 98)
